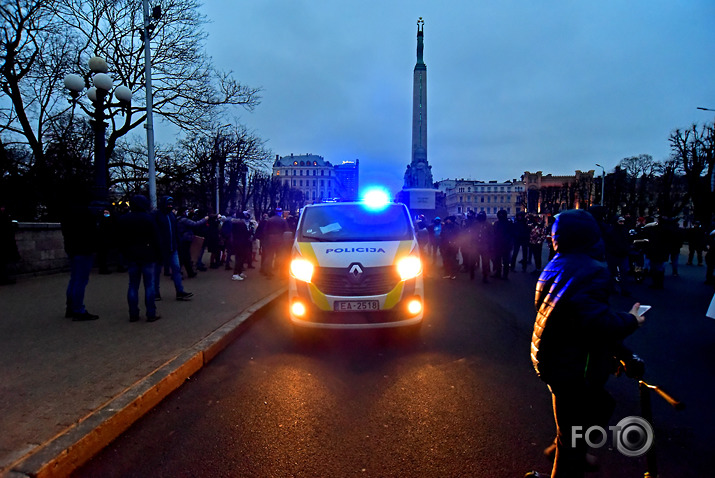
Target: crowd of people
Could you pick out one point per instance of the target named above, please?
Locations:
(472, 243)
(170, 241)
(174, 240)
(634, 248)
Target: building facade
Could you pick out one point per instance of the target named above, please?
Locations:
(347, 175)
(547, 194)
(316, 178)
(464, 195)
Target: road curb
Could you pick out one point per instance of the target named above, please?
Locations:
(79, 443)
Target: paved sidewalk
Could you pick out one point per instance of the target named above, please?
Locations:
(67, 388)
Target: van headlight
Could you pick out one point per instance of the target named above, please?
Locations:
(301, 269)
(409, 267)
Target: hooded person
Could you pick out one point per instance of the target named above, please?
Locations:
(577, 335)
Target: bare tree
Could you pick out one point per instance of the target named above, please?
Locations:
(42, 41)
(33, 55)
(672, 193)
(638, 166)
(693, 150)
(640, 175)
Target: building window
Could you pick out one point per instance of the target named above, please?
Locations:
(294, 183)
(301, 183)
(322, 172)
(315, 171)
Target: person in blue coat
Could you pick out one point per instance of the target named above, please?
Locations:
(577, 335)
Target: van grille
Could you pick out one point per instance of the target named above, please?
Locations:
(374, 281)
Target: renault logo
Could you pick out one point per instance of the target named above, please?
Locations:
(355, 272)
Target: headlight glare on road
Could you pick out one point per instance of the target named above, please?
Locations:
(409, 267)
(301, 269)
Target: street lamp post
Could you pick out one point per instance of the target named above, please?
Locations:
(97, 94)
(603, 181)
(150, 21)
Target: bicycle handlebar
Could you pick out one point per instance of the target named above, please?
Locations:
(671, 401)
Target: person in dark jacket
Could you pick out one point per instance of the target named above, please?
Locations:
(656, 251)
(448, 247)
(673, 238)
(482, 237)
(168, 229)
(240, 244)
(79, 230)
(468, 244)
(214, 242)
(503, 237)
(521, 233)
(8, 246)
(139, 240)
(696, 243)
(710, 257)
(271, 236)
(186, 227)
(576, 335)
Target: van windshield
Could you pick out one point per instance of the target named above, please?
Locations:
(343, 222)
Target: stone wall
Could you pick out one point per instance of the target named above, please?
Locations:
(41, 248)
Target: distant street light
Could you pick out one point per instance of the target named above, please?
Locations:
(603, 180)
(98, 95)
(712, 176)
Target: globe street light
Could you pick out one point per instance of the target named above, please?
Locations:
(97, 94)
(603, 180)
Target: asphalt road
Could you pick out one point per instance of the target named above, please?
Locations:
(460, 400)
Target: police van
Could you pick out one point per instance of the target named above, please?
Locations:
(356, 265)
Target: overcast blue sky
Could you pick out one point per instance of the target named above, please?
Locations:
(512, 85)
